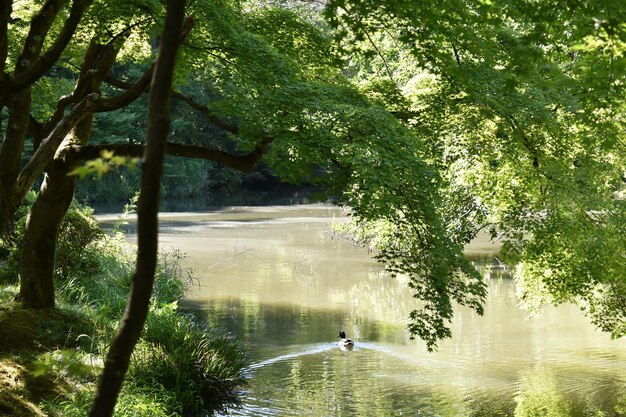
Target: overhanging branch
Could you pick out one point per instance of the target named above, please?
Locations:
(88, 105)
(244, 163)
(205, 110)
(133, 91)
(131, 94)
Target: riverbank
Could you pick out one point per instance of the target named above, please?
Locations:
(50, 359)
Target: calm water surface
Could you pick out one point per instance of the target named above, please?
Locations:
(275, 278)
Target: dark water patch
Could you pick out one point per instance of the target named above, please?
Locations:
(211, 201)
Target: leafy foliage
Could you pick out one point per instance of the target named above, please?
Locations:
(74, 254)
(519, 108)
(436, 120)
(180, 364)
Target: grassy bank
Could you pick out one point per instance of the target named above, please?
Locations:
(50, 359)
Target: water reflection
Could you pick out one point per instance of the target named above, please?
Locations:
(297, 369)
(274, 278)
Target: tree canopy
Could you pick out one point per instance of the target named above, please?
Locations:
(431, 121)
(521, 106)
(439, 120)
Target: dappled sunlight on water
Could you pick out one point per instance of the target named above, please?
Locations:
(275, 278)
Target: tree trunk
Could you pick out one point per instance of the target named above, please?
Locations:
(42, 227)
(57, 191)
(11, 154)
(118, 357)
(19, 103)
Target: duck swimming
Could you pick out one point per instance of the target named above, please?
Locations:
(345, 343)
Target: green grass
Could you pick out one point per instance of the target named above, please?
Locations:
(180, 365)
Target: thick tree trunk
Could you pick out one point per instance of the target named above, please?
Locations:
(57, 192)
(42, 226)
(118, 358)
(11, 154)
(19, 103)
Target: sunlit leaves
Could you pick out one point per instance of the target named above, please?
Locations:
(104, 164)
(524, 119)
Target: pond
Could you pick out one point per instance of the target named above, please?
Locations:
(277, 279)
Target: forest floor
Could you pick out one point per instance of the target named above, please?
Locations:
(25, 334)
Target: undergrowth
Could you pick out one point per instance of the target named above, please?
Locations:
(179, 367)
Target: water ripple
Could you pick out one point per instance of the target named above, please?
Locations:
(308, 351)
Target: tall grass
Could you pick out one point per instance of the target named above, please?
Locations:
(201, 367)
(180, 366)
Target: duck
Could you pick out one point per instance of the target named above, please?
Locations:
(345, 343)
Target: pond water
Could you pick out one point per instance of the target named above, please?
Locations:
(276, 279)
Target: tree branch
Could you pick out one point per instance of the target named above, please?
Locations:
(48, 147)
(44, 62)
(209, 113)
(206, 111)
(59, 111)
(5, 14)
(39, 26)
(244, 163)
(133, 91)
(131, 94)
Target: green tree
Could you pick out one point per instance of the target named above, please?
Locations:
(521, 108)
(439, 120)
(109, 34)
(267, 89)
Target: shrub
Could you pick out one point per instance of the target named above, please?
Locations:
(74, 252)
(202, 367)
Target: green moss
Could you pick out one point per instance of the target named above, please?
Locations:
(24, 334)
(37, 330)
